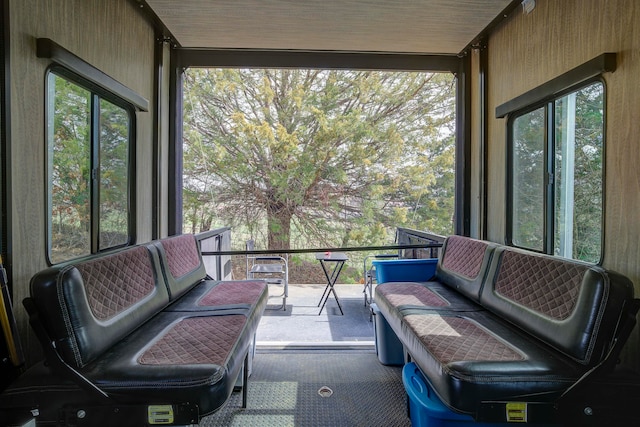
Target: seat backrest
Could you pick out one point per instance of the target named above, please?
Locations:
(572, 306)
(181, 263)
(464, 263)
(88, 306)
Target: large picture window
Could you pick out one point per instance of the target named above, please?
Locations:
(89, 155)
(309, 157)
(556, 160)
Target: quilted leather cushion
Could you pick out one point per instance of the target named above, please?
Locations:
(196, 340)
(571, 306)
(463, 264)
(411, 294)
(464, 256)
(249, 296)
(182, 254)
(116, 282)
(90, 305)
(394, 299)
(454, 339)
(234, 292)
(546, 285)
(181, 263)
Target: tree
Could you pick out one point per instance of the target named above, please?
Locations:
(88, 165)
(114, 177)
(70, 167)
(337, 155)
(574, 177)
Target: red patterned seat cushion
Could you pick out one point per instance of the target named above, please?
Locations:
(234, 292)
(116, 282)
(407, 293)
(464, 256)
(182, 254)
(454, 339)
(546, 285)
(196, 340)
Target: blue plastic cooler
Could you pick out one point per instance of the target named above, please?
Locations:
(389, 349)
(405, 270)
(427, 410)
(425, 407)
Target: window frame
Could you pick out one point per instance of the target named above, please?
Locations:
(459, 66)
(549, 206)
(97, 93)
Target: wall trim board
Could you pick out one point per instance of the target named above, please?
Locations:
(47, 48)
(598, 65)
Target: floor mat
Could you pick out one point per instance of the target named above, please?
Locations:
(318, 388)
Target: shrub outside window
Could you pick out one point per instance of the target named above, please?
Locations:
(89, 146)
(556, 175)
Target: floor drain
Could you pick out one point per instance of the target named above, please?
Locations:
(325, 391)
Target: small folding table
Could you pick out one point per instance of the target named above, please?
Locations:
(338, 259)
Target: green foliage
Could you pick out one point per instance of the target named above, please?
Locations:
(337, 157)
(577, 170)
(528, 179)
(114, 177)
(71, 150)
(588, 172)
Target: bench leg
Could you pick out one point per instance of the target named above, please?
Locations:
(245, 380)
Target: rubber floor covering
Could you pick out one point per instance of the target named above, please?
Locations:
(318, 388)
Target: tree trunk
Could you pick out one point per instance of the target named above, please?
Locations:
(279, 228)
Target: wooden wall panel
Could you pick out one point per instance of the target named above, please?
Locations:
(112, 36)
(528, 50)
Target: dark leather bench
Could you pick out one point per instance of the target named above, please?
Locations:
(136, 336)
(499, 325)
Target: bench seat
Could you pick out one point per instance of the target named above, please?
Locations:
(498, 324)
(176, 357)
(139, 327)
(474, 357)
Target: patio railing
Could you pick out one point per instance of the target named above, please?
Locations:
(216, 248)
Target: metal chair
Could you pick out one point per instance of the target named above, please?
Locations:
(370, 275)
(272, 268)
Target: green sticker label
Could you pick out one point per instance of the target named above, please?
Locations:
(516, 412)
(160, 414)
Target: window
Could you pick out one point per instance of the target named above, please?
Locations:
(304, 157)
(89, 156)
(556, 175)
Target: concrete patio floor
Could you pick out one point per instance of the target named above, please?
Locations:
(300, 325)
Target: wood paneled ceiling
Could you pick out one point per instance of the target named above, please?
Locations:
(397, 26)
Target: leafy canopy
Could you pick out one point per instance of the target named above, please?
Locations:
(323, 157)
